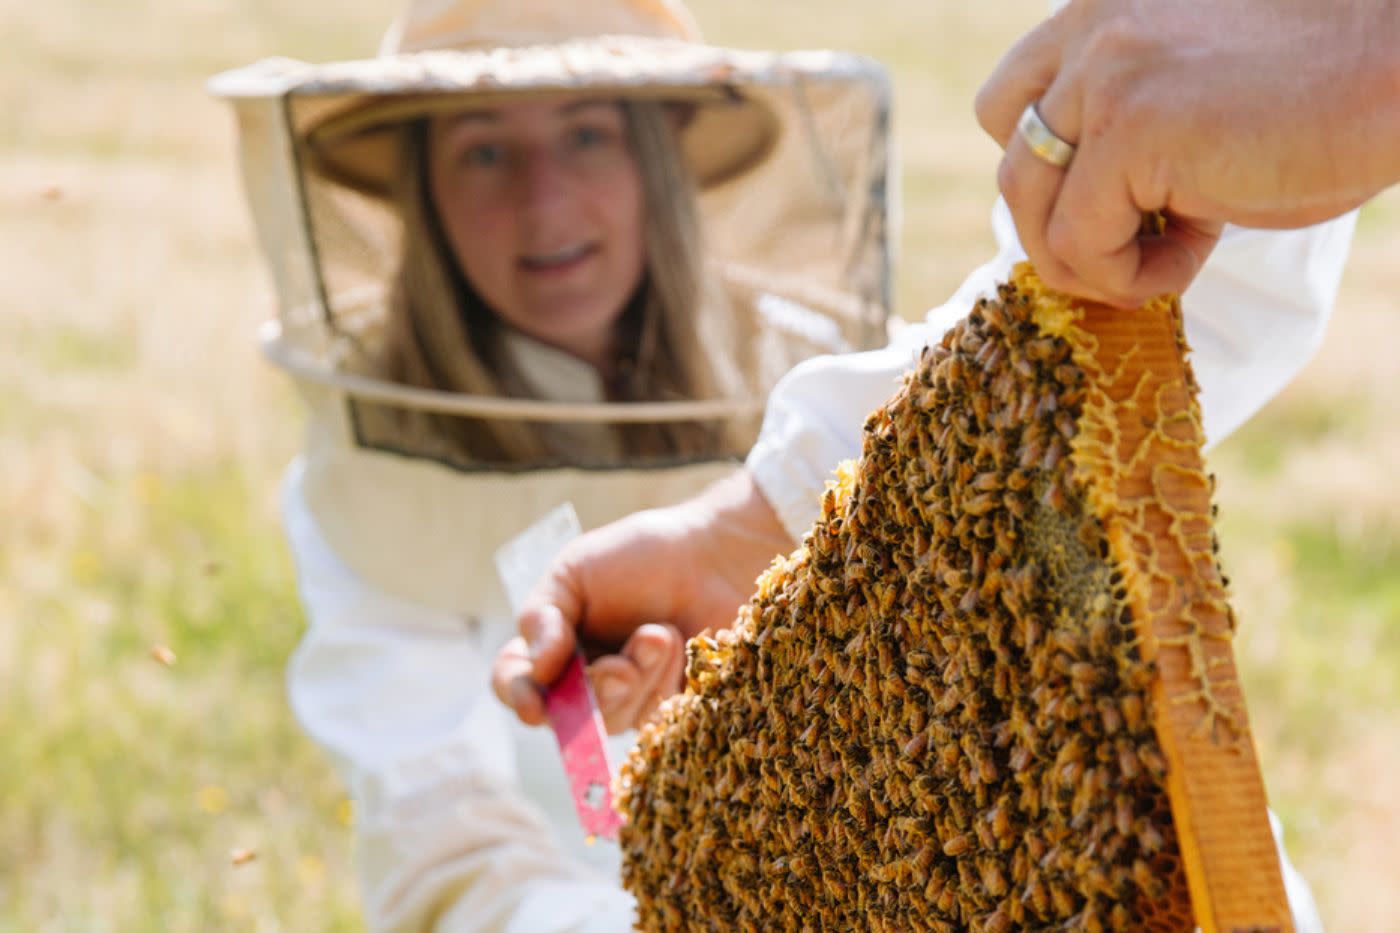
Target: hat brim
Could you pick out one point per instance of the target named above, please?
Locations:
(722, 137)
(354, 142)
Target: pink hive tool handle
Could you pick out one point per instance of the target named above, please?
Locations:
(578, 727)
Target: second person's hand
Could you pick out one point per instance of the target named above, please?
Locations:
(1262, 113)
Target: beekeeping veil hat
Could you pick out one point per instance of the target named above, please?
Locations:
(789, 152)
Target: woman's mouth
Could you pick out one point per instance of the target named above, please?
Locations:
(559, 260)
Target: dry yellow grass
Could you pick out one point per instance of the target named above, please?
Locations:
(141, 440)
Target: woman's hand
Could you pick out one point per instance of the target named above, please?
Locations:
(686, 568)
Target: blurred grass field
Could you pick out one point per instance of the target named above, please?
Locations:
(141, 441)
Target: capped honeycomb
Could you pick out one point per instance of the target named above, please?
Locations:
(994, 688)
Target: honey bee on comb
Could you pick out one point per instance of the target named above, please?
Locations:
(994, 688)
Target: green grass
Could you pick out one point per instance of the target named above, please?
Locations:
(126, 783)
(1343, 649)
(1280, 432)
(1316, 582)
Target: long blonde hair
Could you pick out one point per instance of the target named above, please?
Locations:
(441, 335)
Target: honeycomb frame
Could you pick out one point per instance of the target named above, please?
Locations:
(994, 689)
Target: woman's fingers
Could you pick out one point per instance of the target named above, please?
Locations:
(630, 685)
(672, 680)
(535, 658)
(659, 653)
(550, 638)
(514, 685)
(617, 687)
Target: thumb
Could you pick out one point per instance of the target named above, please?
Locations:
(548, 624)
(549, 642)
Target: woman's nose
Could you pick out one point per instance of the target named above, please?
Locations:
(542, 180)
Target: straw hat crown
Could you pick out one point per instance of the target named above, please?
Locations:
(440, 53)
(476, 24)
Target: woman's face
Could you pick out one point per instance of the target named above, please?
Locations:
(541, 201)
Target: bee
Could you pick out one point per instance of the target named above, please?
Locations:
(1132, 712)
(1096, 880)
(1150, 839)
(1123, 815)
(992, 878)
(1031, 454)
(957, 845)
(1151, 885)
(1127, 761)
(1103, 634)
(1037, 895)
(981, 503)
(997, 922)
(985, 836)
(1152, 760)
(1083, 676)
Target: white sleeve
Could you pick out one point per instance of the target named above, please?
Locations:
(398, 695)
(1253, 317)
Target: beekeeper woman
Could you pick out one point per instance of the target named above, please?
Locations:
(532, 253)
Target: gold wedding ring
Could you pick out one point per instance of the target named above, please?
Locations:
(1042, 140)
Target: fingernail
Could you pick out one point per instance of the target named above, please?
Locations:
(550, 628)
(650, 655)
(522, 693)
(611, 690)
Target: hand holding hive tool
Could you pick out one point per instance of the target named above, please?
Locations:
(994, 689)
(569, 703)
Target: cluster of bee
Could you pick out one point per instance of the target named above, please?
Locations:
(937, 713)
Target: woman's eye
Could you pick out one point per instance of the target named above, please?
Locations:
(587, 136)
(484, 155)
